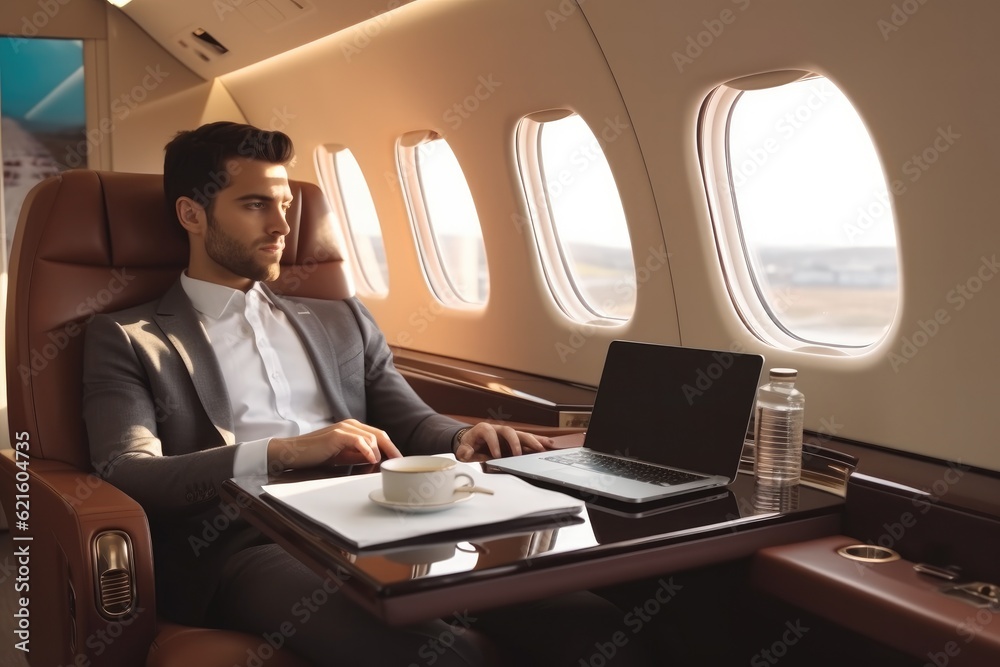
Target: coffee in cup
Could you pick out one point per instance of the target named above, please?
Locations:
(425, 480)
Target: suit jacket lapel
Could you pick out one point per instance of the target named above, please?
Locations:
(178, 320)
(318, 345)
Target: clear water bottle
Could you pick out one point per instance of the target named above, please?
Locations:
(778, 430)
(767, 499)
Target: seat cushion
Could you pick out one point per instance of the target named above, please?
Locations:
(182, 646)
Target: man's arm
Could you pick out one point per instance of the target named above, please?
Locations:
(150, 435)
(391, 403)
(125, 415)
(420, 429)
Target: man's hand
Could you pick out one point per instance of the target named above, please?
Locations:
(349, 441)
(487, 441)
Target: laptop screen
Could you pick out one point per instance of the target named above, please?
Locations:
(683, 407)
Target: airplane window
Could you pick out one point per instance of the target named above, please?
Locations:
(43, 123)
(577, 217)
(445, 220)
(803, 211)
(351, 199)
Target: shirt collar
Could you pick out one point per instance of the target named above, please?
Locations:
(212, 299)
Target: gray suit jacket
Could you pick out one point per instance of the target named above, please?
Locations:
(159, 419)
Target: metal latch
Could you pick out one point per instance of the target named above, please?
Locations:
(976, 593)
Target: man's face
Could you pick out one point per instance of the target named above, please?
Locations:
(246, 227)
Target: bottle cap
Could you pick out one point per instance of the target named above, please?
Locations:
(783, 373)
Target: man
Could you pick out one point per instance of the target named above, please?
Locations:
(221, 377)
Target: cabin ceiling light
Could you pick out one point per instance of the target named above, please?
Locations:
(119, 3)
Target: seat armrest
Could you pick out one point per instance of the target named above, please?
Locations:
(886, 601)
(65, 624)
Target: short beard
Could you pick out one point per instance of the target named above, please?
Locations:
(229, 254)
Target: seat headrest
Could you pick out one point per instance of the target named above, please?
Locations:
(89, 242)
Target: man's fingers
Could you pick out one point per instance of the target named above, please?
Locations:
(366, 439)
(390, 450)
(381, 443)
(490, 440)
(485, 433)
(534, 443)
(513, 439)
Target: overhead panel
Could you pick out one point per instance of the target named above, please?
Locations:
(222, 36)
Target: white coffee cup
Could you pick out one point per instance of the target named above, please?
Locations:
(425, 480)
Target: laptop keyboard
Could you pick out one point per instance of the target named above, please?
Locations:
(635, 470)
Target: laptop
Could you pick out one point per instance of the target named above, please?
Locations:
(666, 421)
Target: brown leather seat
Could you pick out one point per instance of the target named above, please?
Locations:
(89, 242)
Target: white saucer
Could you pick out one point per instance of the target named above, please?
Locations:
(378, 498)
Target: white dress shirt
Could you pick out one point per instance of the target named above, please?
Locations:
(272, 386)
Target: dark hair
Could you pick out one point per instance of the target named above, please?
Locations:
(195, 162)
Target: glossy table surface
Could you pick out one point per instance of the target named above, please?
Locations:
(607, 543)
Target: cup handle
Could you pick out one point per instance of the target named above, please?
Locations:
(471, 487)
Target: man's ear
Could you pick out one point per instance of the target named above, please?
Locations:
(191, 215)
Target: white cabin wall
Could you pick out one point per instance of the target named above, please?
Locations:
(404, 71)
(937, 71)
(365, 86)
(150, 97)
